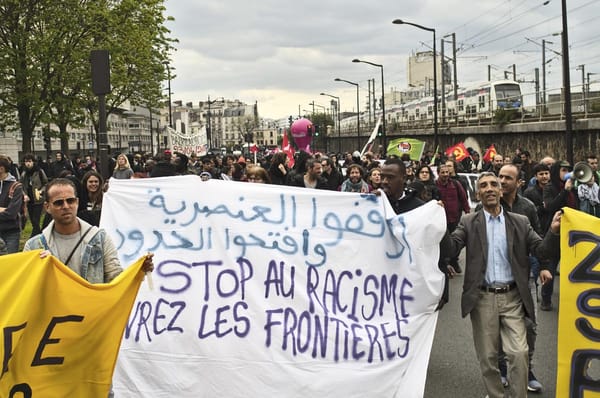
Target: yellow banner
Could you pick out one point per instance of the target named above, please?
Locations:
(579, 315)
(59, 334)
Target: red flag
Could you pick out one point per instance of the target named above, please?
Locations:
(489, 154)
(287, 148)
(459, 151)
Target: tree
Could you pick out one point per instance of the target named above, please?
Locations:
(24, 66)
(45, 69)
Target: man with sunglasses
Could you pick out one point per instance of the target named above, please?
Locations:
(84, 248)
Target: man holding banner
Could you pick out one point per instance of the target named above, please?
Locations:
(496, 291)
(393, 175)
(73, 241)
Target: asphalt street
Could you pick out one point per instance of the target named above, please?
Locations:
(453, 369)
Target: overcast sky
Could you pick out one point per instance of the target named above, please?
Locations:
(283, 53)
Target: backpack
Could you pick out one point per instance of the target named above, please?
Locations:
(22, 214)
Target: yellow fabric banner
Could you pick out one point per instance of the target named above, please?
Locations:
(579, 315)
(59, 334)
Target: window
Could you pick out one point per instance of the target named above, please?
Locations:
(482, 101)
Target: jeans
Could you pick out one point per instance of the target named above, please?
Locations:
(35, 215)
(548, 287)
(11, 238)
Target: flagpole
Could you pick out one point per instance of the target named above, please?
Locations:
(433, 157)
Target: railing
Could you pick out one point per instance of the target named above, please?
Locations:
(583, 107)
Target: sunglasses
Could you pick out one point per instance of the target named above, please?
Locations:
(61, 202)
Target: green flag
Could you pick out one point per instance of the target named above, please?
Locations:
(400, 146)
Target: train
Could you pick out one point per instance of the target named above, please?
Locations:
(473, 102)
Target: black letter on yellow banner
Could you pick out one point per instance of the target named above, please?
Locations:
(37, 359)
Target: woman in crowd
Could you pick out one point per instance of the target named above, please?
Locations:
(425, 175)
(34, 180)
(90, 200)
(279, 168)
(374, 179)
(123, 170)
(257, 174)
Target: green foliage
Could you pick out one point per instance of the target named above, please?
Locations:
(45, 69)
(322, 120)
(503, 116)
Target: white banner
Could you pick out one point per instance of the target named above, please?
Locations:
(263, 290)
(187, 143)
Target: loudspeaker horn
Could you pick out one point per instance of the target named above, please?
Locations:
(582, 172)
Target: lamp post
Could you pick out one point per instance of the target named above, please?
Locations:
(587, 89)
(339, 127)
(567, 84)
(208, 124)
(319, 106)
(337, 79)
(169, 88)
(435, 99)
(384, 134)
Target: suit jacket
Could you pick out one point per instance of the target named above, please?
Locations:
(521, 241)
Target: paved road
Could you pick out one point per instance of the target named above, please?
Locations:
(453, 370)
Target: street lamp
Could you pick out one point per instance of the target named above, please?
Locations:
(435, 99)
(339, 128)
(384, 135)
(208, 124)
(319, 106)
(169, 88)
(337, 79)
(587, 90)
(567, 84)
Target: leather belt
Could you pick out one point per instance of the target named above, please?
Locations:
(499, 289)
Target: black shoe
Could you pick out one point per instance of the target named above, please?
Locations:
(546, 306)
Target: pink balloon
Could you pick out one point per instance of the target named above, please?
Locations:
(300, 131)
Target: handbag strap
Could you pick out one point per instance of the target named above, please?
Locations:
(77, 245)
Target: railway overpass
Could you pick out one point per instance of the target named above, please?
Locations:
(545, 137)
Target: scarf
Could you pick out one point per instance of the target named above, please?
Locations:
(361, 186)
(586, 192)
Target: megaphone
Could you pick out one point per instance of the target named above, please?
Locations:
(582, 172)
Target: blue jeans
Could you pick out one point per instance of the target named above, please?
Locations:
(11, 238)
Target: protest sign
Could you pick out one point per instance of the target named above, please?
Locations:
(264, 290)
(60, 334)
(578, 318)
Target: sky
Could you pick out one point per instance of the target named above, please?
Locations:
(283, 54)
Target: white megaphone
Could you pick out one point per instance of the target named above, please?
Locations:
(582, 173)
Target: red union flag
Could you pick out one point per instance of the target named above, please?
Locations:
(489, 154)
(287, 148)
(459, 151)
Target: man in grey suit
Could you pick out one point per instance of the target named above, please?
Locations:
(495, 290)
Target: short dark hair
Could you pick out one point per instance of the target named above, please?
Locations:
(5, 163)
(29, 156)
(540, 167)
(310, 162)
(390, 161)
(58, 181)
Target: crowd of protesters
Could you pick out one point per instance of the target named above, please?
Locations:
(433, 177)
(541, 185)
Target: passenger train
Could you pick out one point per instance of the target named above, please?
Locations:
(474, 102)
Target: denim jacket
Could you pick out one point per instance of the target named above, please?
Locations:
(99, 261)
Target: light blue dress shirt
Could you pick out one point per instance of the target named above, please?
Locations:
(498, 270)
